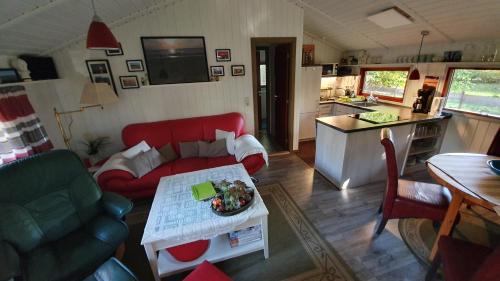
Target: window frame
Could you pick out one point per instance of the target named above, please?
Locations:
(363, 71)
(447, 84)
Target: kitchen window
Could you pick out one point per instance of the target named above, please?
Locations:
(473, 90)
(384, 83)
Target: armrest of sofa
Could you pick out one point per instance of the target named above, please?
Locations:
(116, 205)
(9, 259)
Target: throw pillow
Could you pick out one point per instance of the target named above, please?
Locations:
(136, 149)
(229, 137)
(168, 152)
(212, 149)
(145, 162)
(189, 149)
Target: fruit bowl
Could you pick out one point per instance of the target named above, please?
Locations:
(494, 166)
(232, 198)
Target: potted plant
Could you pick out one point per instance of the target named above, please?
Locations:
(94, 147)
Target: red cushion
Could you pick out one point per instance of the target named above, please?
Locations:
(461, 259)
(190, 251)
(207, 272)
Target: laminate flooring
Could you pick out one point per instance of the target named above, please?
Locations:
(347, 220)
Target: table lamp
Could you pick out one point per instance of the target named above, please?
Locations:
(93, 95)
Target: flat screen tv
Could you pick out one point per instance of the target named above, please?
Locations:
(172, 60)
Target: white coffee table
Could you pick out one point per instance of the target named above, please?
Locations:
(176, 218)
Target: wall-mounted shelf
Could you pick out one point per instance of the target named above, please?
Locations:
(455, 64)
(29, 82)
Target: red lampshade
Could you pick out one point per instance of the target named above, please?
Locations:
(99, 36)
(414, 75)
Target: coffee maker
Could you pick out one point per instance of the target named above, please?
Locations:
(424, 100)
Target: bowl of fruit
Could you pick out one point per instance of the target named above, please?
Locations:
(232, 198)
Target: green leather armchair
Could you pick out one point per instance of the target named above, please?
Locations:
(55, 223)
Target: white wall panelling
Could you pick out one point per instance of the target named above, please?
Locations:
(223, 23)
(324, 52)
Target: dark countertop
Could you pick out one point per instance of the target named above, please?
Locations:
(347, 124)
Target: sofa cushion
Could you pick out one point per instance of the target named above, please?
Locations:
(78, 253)
(188, 165)
(229, 137)
(189, 149)
(168, 152)
(216, 148)
(145, 162)
(136, 149)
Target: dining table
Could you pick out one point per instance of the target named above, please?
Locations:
(470, 180)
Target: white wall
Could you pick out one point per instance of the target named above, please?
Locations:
(223, 23)
(324, 52)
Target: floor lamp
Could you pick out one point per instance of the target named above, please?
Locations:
(93, 95)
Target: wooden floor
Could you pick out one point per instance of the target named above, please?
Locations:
(346, 219)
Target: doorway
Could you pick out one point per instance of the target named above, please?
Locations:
(273, 61)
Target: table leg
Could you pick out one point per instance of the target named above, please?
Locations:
(449, 220)
(264, 236)
(153, 260)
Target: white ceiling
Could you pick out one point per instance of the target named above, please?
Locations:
(37, 26)
(345, 24)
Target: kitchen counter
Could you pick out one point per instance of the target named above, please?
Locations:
(347, 124)
(348, 150)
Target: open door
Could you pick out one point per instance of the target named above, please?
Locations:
(282, 92)
(273, 73)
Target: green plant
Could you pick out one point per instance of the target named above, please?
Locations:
(94, 145)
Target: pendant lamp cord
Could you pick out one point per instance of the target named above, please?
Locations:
(424, 33)
(93, 7)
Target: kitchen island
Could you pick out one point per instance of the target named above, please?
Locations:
(348, 148)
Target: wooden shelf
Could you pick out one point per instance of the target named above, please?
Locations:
(427, 137)
(29, 82)
(415, 168)
(421, 150)
(461, 63)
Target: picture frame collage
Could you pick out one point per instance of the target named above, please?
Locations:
(224, 55)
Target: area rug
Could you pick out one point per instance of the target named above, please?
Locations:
(475, 225)
(296, 250)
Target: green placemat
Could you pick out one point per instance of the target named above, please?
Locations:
(203, 191)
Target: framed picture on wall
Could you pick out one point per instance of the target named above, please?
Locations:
(172, 60)
(100, 72)
(115, 52)
(237, 70)
(217, 70)
(129, 82)
(223, 54)
(135, 65)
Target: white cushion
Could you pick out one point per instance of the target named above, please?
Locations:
(136, 149)
(229, 136)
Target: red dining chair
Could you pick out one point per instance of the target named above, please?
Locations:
(465, 261)
(495, 145)
(408, 199)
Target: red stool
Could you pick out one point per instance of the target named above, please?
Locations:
(190, 251)
(207, 272)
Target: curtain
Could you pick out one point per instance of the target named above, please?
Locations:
(21, 132)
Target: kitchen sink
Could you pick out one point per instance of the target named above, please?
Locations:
(364, 104)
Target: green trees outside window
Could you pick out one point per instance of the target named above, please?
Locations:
(474, 90)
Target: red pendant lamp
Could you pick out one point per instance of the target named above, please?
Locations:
(415, 75)
(99, 37)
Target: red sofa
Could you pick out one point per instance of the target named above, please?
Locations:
(157, 134)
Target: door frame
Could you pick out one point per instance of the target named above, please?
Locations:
(292, 41)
